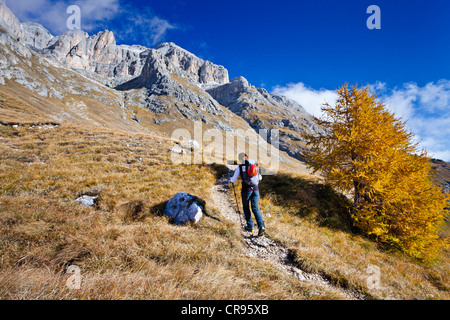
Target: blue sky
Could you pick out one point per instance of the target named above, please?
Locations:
(303, 49)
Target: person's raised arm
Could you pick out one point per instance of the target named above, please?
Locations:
(235, 176)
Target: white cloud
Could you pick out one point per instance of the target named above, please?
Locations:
(53, 15)
(98, 13)
(402, 101)
(310, 99)
(378, 87)
(127, 21)
(426, 109)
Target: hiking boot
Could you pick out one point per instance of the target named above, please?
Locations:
(262, 231)
(248, 229)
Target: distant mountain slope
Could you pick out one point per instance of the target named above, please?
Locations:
(266, 111)
(442, 171)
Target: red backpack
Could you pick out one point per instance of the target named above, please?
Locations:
(252, 170)
(249, 171)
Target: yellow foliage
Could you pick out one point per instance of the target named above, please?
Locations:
(368, 154)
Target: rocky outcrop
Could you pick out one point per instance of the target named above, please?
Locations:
(159, 79)
(99, 54)
(229, 95)
(32, 34)
(9, 21)
(239, 96)
(189, 66)
(36, 35)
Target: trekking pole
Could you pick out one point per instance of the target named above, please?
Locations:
(237, 205)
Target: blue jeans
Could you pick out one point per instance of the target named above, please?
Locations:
(253, 197)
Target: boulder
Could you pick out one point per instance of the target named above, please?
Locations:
(177, 150)
(184, 208)
(87, 201)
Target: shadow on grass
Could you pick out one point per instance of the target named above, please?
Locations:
(132, 211)
(309, 200)
(220, 170)
(158, 209)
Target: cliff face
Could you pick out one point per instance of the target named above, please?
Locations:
(36, 35)
(189, 66)
(99, 55)
(172, 72)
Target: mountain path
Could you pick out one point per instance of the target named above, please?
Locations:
(267, 249)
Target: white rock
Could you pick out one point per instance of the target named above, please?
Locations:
(184, 208)
(177, 150)
(193, 143)
(86, 201)
(298, 274)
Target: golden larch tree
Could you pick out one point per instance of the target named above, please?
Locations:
(367, 153)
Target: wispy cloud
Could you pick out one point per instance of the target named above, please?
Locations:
(146, 25)
(128, 22)
(310, 99)
(426, 109)
(53, 15)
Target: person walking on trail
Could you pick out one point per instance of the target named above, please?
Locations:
(250, 175)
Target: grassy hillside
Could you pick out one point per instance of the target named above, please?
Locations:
(126, 248)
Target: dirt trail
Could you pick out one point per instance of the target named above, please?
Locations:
(265, 248)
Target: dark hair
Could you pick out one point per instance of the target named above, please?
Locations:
(242, 156)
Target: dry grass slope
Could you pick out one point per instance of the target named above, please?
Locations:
(126, 248)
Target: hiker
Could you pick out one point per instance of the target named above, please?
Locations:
(250, 191)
